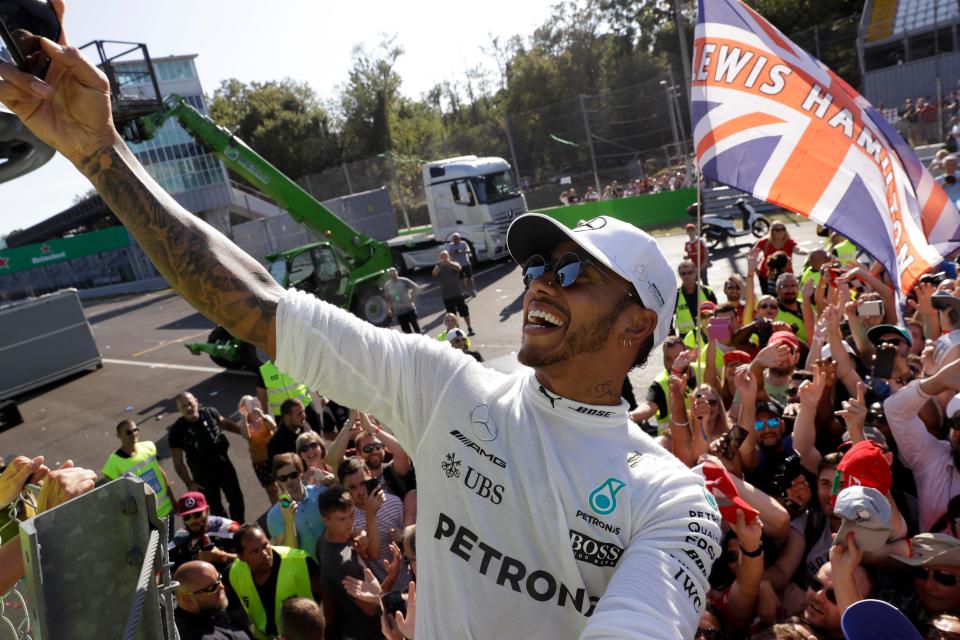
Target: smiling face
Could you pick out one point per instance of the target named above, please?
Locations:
(935, 596)
(767, 307)
(578, 323)
(822, 611)
(188, 406)
(769, 438)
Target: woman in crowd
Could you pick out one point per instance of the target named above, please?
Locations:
(258, 428)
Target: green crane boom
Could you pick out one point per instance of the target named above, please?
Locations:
(370, 256)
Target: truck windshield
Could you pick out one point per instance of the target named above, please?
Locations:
(494, 187)
(278, 269)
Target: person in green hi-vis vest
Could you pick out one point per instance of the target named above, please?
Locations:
(140, 459)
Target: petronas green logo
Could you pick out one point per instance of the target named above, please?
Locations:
(603, 499)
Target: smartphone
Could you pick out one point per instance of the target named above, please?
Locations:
(933, 278)
(372, 484)
(764, 331)
(21, 22)
(719, 329)
(832, 274)
(393, 602)
(870, 308)
(883, 364)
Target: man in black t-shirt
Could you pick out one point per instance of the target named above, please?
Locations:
(354, 618)
(198, 433)
(293, 422)
(201, 612)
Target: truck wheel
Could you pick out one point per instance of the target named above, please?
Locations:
(372, 307)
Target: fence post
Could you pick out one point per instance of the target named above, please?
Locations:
(346, 174)
(593, 157)
(396, 180)
(513, 154)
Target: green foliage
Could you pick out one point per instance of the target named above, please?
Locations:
(281, 120)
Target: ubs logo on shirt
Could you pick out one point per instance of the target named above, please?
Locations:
(474, 480)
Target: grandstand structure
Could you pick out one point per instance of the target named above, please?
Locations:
(909, 49)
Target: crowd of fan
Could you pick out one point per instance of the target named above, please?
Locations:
(670, 180)
(919, 121)
(829, 432)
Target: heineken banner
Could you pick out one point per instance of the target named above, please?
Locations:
(41, 254)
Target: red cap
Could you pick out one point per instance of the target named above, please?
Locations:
(721, 487)
(706, 305)
(191, 502)
(784, 336)
(864, 465)
(690, 226)
(737, 356)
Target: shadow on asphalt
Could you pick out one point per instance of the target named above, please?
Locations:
(119, 311)
(193, 321)
(514, 307)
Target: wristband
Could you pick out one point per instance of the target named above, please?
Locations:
(685, 423)
(756, 553)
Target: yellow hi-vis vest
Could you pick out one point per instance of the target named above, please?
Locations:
(293, 581)
(684, 319)
(280, 387)
(143, 464)
(794, 320)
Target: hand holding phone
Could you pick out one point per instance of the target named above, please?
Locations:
(883, 362)
(870, 308)
(719, 329)
(22, 24)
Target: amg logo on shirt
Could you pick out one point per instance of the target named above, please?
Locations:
(590, 411)
(500, 462)
(586, 549)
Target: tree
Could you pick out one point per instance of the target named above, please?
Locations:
(369, 100)
(281, 120)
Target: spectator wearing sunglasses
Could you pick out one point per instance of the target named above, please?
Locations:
(203, 536)
(774, 445)
(313, 451)
(140, 459)
(201, 611)
(934, 566)
(294, 521)
(689, 297)
(372, 443)
(837, 585)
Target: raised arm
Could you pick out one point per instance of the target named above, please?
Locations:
(71, 112)
(804, 427)
(750, 301)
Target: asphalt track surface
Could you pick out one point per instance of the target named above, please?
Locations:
(145, 365)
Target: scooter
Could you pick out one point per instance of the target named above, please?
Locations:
(720, 227)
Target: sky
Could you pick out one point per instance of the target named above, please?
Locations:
(307, 40)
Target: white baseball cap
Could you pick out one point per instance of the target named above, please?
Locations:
(953, 406)
(623, 248)
(866, 512)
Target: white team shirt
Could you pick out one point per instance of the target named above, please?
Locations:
(538, 516)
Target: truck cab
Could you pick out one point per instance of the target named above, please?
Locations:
(475, 197)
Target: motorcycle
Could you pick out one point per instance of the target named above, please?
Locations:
(720, 227)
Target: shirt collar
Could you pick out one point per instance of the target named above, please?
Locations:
(573, 409)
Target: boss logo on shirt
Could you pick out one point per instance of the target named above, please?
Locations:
(586, 549)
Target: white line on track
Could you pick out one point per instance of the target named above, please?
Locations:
(178, 367)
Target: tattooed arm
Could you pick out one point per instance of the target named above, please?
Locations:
(71, 112)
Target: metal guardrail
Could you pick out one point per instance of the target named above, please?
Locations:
(96, 567)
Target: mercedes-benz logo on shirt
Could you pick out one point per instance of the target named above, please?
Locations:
(482, 423)
(592, 225)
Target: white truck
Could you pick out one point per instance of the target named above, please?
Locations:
(475, 197)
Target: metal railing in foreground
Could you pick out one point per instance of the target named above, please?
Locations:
(96, 567)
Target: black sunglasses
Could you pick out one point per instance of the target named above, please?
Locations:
(289, 476)
(941, 577)
(566, 269)
(309, 446)
(211, 589)
(817, 587)
(373, 446)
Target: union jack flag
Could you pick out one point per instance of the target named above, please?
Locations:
(771, 120)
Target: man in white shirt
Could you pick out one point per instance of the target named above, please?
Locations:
(545, 512)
